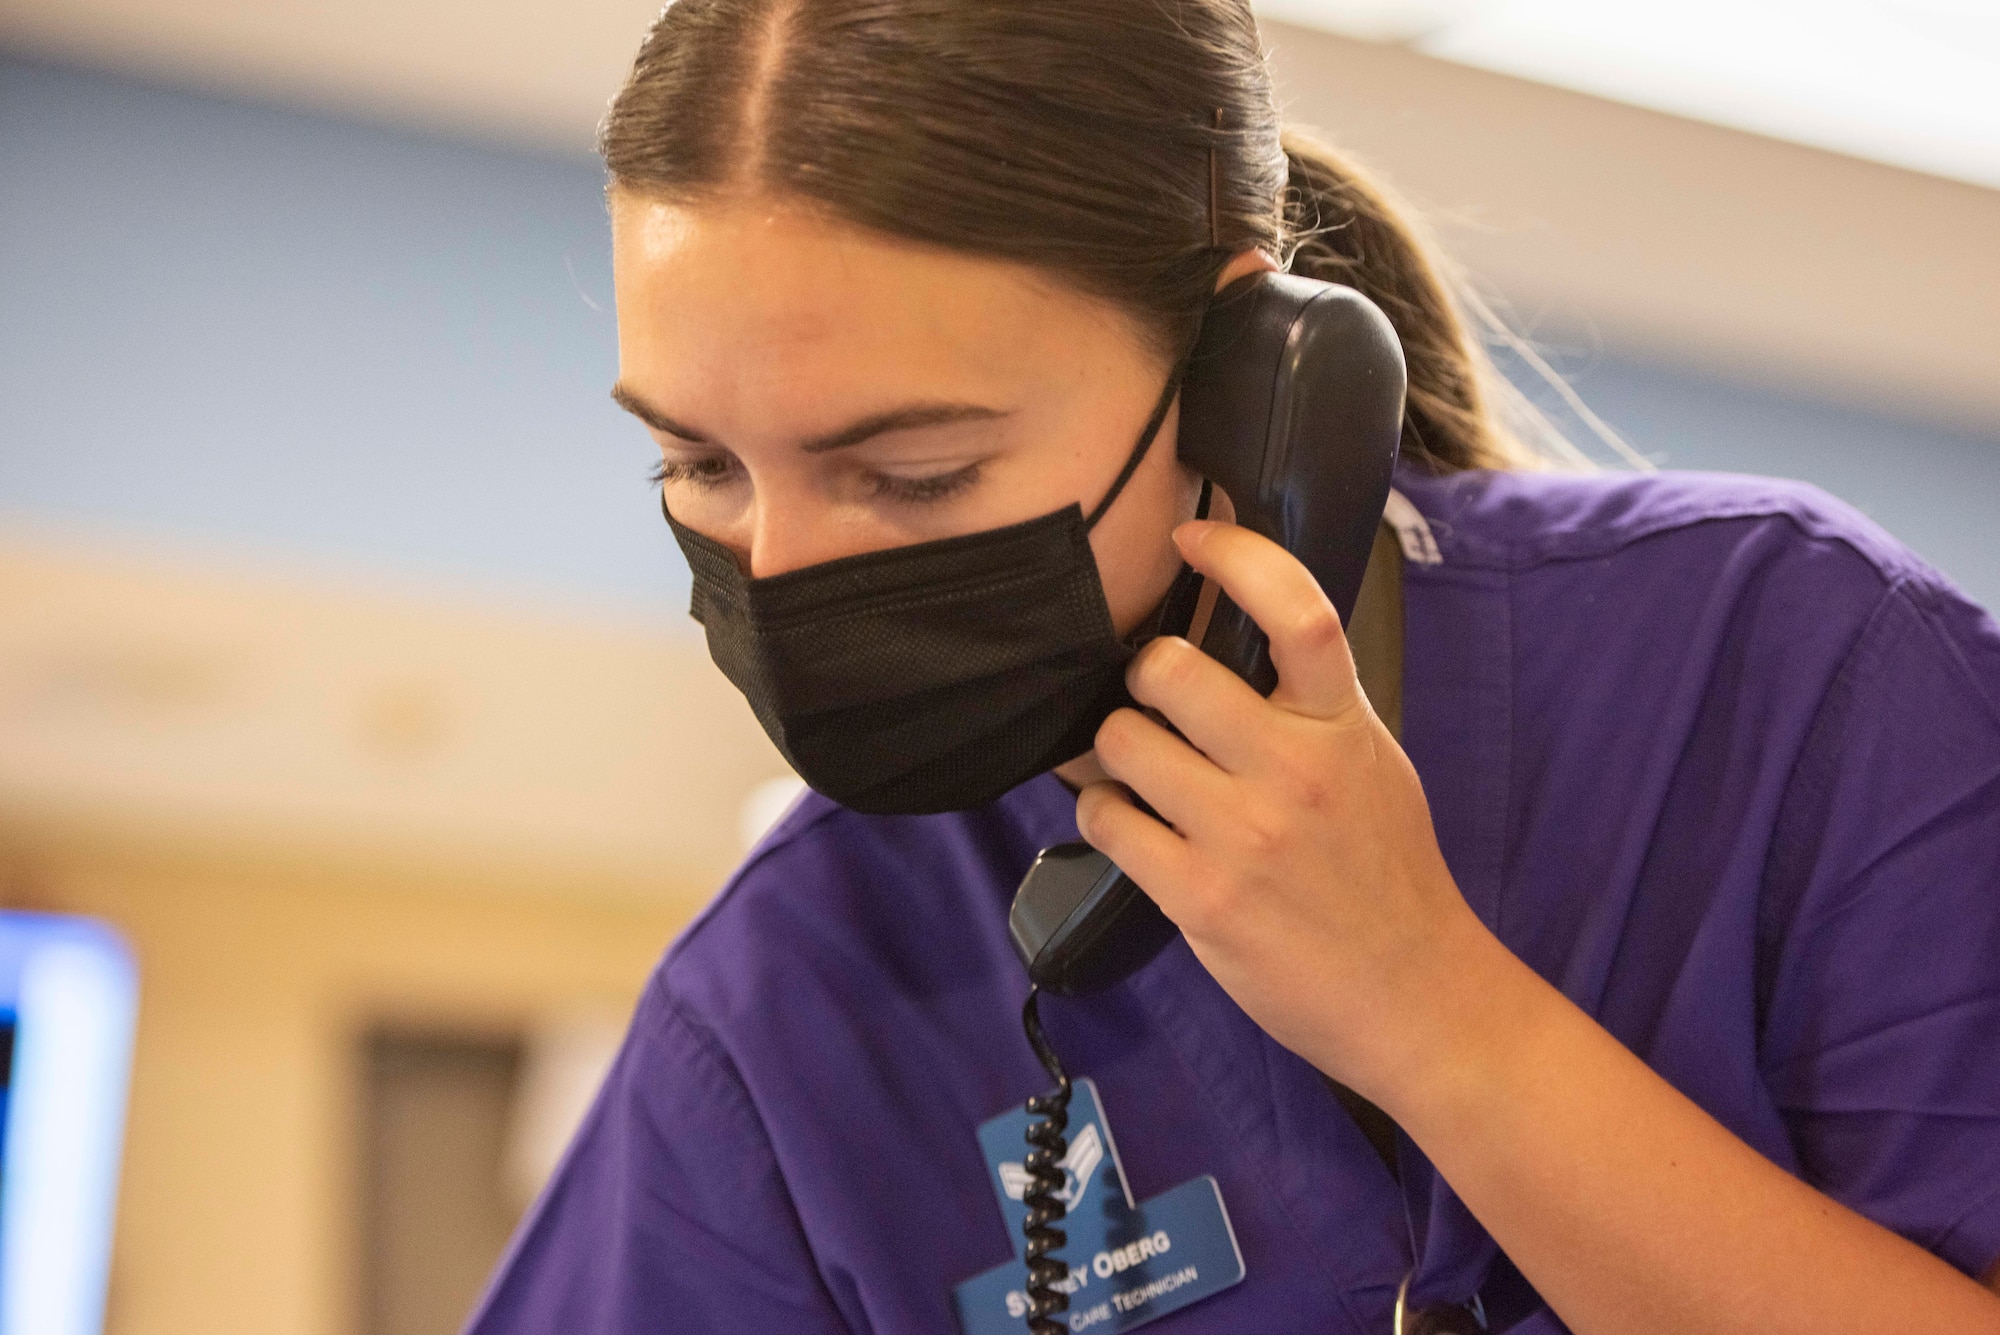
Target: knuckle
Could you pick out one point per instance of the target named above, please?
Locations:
(1162, 667)
(1089, 805)
(1262, 835)
(1096, 814)
(1118, 731)
(1317, 626)
(1306, 781)
(1307, 787)
(1314, 793)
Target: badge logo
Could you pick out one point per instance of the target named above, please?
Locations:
(1129, 1262)
(1086, 1151)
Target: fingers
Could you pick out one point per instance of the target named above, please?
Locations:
(1308, 647)
(1144, 849)
(1215, 709)
(1176, 780)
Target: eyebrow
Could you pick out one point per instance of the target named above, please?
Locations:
(906, 418)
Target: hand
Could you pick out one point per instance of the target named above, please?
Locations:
(1301, 863)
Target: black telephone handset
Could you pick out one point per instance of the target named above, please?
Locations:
(1293, 405)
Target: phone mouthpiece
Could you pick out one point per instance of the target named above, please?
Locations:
(1080, 924)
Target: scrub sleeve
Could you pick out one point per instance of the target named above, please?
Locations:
(668, 1213)
(1880, 931)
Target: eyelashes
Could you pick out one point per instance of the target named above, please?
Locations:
(925, 490)
(711, 473)
(705, 473)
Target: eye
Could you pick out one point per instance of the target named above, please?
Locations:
(707, 472)
(925, 490)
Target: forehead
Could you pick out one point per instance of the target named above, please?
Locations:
(715, 287)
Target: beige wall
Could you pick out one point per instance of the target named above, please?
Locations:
(196, 702)
(313, 807)
(237, 1213)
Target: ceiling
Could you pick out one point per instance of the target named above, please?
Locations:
(1914, 83)
(1846, 278)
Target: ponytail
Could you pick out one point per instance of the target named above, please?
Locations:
(1343, 227)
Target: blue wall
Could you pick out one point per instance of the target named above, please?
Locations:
(328, 340)
(350, 345)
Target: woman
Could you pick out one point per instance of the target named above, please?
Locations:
(1651, 982)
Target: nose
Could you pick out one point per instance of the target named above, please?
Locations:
(789, 534)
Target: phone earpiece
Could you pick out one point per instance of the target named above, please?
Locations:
(1293, 405)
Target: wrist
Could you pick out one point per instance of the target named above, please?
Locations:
(1470, 1010)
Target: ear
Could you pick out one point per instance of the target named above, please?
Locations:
(1245, 264)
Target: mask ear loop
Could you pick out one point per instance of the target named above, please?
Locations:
(1138, 455)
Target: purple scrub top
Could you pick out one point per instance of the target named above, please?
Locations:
(1714, 755)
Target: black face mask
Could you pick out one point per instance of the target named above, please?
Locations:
(936, 676)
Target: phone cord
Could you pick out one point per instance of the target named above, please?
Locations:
(1044, 1166)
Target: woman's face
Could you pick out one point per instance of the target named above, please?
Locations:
(818, 391)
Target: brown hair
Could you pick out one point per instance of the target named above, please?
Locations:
(1130, 146)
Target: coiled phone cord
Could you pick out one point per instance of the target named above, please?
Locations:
(1046, 1148)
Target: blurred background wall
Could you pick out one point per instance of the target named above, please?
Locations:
(343, 657)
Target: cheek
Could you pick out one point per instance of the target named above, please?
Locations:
(1133, 543)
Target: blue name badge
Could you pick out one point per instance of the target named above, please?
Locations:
(1128, 1263)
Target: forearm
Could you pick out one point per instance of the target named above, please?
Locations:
(1626, 1206)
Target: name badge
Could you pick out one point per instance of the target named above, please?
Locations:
(1128, 1263)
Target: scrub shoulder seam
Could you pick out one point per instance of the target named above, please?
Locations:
(788, 831)
(1586, 517)
(673, 1011)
